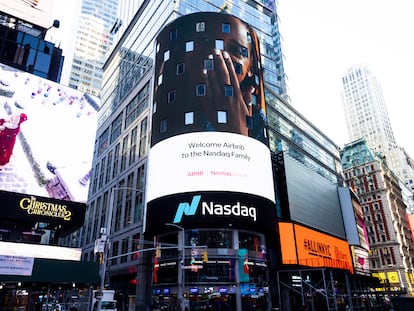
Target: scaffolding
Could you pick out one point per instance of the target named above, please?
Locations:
(330, 290)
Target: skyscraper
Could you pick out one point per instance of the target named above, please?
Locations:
(367, 117)
(156, 86)
(384, 211)
(365, 111)
(93, 39)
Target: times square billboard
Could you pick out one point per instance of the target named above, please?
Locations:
(209, 161)
(47, 134)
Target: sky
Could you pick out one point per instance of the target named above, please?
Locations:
(321, 39)
(67, 12)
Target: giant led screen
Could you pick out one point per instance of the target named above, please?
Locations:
(307, 247)
(209, 161)
(47, 134)
(311, 196)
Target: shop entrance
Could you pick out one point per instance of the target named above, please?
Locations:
(222, 302)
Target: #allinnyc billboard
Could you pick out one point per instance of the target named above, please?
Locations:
(209, 162)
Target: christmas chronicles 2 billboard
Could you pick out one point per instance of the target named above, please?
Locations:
(209, 158)
(47, 134)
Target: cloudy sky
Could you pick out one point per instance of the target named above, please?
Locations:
(323, 38)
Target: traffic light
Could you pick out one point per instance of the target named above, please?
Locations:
(205, 256)
(158, 252)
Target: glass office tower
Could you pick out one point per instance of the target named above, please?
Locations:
(130, 102)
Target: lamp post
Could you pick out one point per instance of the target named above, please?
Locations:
(105, 234)
(180, 276)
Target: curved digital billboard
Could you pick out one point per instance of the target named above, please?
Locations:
(209, 161)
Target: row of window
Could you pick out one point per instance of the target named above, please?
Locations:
(128, 206)
(378, 217)
(201, 27)
(133, 148)
(200, 90)
(189, 119)
(217, 238)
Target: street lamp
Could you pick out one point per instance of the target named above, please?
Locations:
(105, 234)
(180, 276)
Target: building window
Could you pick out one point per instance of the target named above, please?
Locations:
(135, 246)
(115, 246)
(154, 107)
(171, 96)
(228, 90)
(388, 261)
(166, 55)
(189, 118)
(249, 122)
(180, 68)
(249, 38)
(201, 89)
(163, 126)
(208, 64)
(200, 27)
(189, 46)
(222, 117)
(244, 52)
(173, 34)
(219, 44)
(225, 28)
(160, 79)
(254, 100)
(124, 249)
(238, 68)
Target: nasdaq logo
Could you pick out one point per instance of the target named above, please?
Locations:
(214, 209)
(188, 209)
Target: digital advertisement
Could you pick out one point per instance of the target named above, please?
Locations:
(209, 162)
(307, 247)
(47, 136)
(211, 209)
(30, 208)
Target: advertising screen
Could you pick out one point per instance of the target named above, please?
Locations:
(209, 142)
(39, 251)
(307, 247)
(47, 134)
(310, 196)
(32, 11)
